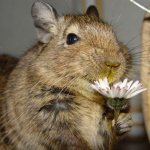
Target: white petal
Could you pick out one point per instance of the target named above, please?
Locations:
(130, 91)
(134, 85)
(121, 89)
(129, 84)
(95, 87)
(122, 93)
(97, 83)
(103, 85)
(99, 86)
(118, 90)
(111, 94)
(105, 93)
(124, 83)
(117, 84)
(136, 93)
(106, 83)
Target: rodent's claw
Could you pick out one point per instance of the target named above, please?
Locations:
(124, 124)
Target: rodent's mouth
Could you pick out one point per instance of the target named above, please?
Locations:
(111, 78)
(110, 75)
(113, 74)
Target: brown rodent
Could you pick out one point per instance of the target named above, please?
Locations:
(49, 103)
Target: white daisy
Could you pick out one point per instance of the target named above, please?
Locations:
(120, 90)
(117, 94)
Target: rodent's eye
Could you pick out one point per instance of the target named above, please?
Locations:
(72, 38)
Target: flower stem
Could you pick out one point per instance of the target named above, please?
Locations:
(116, 115)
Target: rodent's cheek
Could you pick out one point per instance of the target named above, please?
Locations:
(122, 69)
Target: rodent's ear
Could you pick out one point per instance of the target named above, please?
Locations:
(92, 11)
(45, 20)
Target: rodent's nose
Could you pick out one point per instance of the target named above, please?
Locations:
(112, 64)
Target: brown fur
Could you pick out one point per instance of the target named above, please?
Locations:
(49, 103)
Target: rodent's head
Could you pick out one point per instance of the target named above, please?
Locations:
(80, 47)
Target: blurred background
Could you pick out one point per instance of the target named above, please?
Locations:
(17, 34)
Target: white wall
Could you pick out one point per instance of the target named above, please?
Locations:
(126, 17)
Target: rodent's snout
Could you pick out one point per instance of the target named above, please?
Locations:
(112, 65)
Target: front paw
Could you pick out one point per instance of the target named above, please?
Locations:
(124, 124)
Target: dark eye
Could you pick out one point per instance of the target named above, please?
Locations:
(72, 38)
